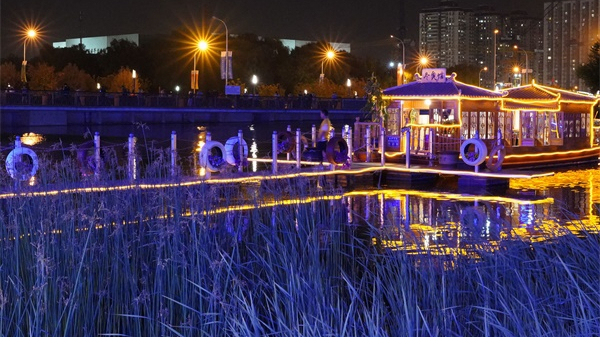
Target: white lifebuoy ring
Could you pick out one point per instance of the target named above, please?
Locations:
(473, 158)
(499, 152)
(19, 170)
(212, 156)
(232, 151)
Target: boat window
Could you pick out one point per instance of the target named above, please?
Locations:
(528, 126)
(482, 122)
(555, 128)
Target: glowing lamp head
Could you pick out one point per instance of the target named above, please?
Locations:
(31, 33)
(330, 54)
(202, 45)
(423, 60)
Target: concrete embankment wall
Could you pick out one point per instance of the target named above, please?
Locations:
(28, 116)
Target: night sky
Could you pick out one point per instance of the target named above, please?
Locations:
(365, 24)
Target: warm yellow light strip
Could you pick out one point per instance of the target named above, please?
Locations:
(434, 125)
(399, 193)
(268, 177)
(555, 153)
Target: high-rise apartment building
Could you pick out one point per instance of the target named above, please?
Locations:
(452, 35)
(486, 22)
(548, 49)
(570, 29)
(445, 35)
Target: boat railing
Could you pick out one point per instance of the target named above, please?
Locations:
(425, 140)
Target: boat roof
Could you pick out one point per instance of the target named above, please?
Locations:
(544, 93)
(449, 88)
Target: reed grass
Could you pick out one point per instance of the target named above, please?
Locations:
(158, 262)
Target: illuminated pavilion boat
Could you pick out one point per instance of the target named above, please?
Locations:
(530, 126)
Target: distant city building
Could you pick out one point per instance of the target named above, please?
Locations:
(452, 35)
(96, 44)
(570, 29)
(486, 21)
(446, 35)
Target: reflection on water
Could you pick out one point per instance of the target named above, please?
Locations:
(455, 224)
(459, 225)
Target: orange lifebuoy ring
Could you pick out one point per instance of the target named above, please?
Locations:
(286, 142)
(499, 152)
(473, 158)
(337, 150)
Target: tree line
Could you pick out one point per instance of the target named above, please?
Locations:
(164, 62)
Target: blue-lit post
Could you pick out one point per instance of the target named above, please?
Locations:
(226, 51)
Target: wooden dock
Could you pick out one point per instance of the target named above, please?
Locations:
(393, 175)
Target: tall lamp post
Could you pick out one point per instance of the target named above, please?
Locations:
(226, 51)
(516, 71)
(526, 63)
(329, 55)
(31, 34)
(401, 69)
(254, 82)
(484, 69)
(200, 46)
(495, 37)
(133, 77)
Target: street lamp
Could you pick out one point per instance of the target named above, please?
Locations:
(423, 62)
(200, 46)
(495, 37)
(329, 55)
(349, 85)
(29, 35)
(401, 69)
(484, 69)
(133, 77)
(526, 63)
(226, 51)
(516, 71)
(254, 82)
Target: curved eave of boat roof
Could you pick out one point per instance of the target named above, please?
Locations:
(451, 89)
(541, 93)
